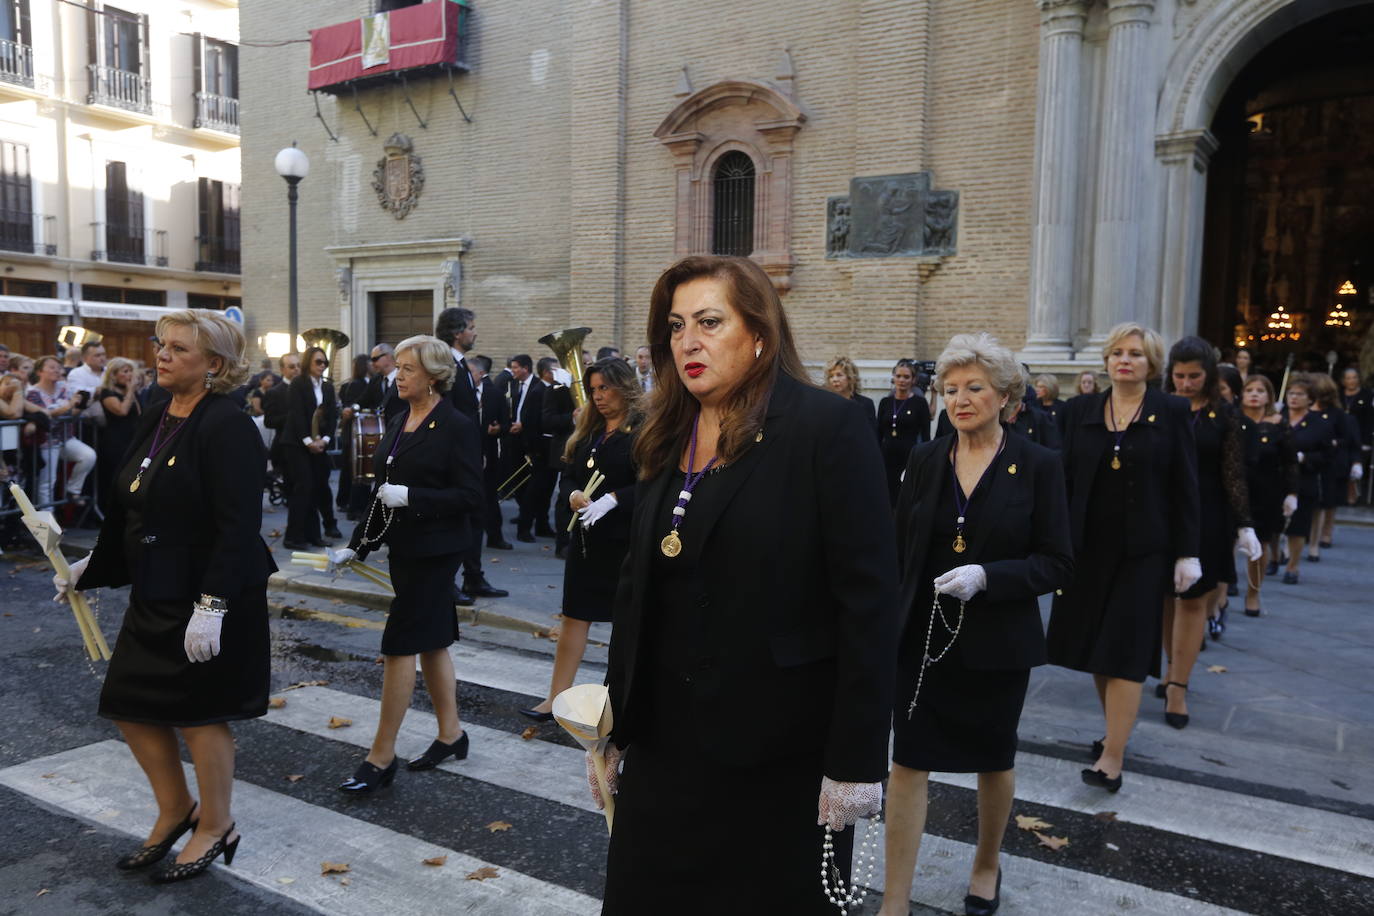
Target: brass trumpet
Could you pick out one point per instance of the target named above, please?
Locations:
(567, 346)
(516, 480)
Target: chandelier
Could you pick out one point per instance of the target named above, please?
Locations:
(1338, 317)
(1280, 326)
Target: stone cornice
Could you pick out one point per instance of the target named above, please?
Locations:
(343, 253)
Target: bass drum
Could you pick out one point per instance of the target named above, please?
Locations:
(368, 427)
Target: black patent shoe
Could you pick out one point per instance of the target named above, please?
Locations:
(1314, 558)
(1252, 612)
(1290, 578)
(438, 752)
(1271, 568)
(368, 778)
(481, 588)
(1177, 719)
(1098, 747)
(180, 871)
(536, 715)
(148, 855)
(981, 906)
(1096, 777)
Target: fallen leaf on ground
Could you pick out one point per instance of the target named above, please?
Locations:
(436, 861)
(286, 880)
(1028, 822)
(333, 868)
(529, 733)
(483, 873)
(295, 777)
(1105, 817)
(1216, 669)
(339, 722)
(49, 775)
(42, 892)
(381, 660)
(495, 826)
(306, 684)
(276, 703)
(274, 533)
(345, 881)
(1113, 847)
(1053, 842)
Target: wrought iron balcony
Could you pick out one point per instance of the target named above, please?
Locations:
(16, 63)
(218, 255)
(24, 230)
(217, 112)
(119, 89)
(124, 244)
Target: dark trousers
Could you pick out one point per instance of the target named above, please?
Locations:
(562, 515)
(491, 479)
(534, 509)
(346, 475)
(308, 498)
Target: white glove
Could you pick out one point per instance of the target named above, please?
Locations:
(339, 557)
(62, 585)
(613, 755)
(1299, 457)
(843, 803)
(1290, 505)
(1248, 544)
(593, 513)
(1187, 570)
(202, 636)
(963, 582)
(1357, 471)
(393, 496)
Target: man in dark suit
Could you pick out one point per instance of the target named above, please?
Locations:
(524, 398)
(491, 412)
(381, 388)
(539, 446)
(457, 327)
(556, 418)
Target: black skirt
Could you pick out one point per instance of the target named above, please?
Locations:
(591, 574)
(422, 616)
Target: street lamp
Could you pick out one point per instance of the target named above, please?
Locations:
(293, 165)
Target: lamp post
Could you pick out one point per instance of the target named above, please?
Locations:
(293, 165)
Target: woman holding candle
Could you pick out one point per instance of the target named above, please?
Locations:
(983, 523)
(770, 690)
(429, 484)
(183, 528)
(1133, 507)
(903, 423)
(600, 450)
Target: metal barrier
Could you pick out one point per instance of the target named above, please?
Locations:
(24, 461)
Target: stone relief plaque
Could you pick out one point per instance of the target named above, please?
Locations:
(892, 216)
(399, 177)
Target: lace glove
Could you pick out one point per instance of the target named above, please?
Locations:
(1187, 570)
(338, 558)
(1248, 544)
(843, 803)
(62, 585)
(593, 513)
(1290, 505)
(613, 755)
(393, 496)
(1357, 471)
(962, 582)
(202, 632)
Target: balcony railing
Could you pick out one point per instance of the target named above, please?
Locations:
(128, 244)
(24, 230)
(119, 89)
(217, 255)
(16, 63)
(217, 112)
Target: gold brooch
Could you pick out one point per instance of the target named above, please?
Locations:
(433, 423)
(1211, 414)
(1059, 591)
(171, 461)
(1150, 418)
(1264, 438)
(1011, 469)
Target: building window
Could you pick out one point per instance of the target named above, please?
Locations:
(216, 78)
(384, 6)
(124, 238)
(402, 314)
(732, 218)
(117, 47)
(123, 295)
(16, 198)
(34, 289)
(16, 44)
(218, 241)
(218, 303)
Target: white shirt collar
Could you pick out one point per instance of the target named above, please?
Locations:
(457, 354)
(391, 376)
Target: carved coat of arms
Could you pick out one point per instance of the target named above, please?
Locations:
(399, 177)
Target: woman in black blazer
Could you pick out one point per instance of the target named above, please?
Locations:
(312, 412)
(1311, 438)
(182, 527)
(983, 523)
(601, 443)
(753, 654)
(1133, 514)
(903, 424)
(842, 377)
(429, 485)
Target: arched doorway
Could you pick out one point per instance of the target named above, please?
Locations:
(1288, 243)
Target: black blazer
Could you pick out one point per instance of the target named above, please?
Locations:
(493, 410)
(615, 459)
(463, 393)
(1163, 515)
(373, 399)
(300, 400)
(531, 440)
(556, 421)
(1022, 545)
(798, 596)
(439, 463)
(203, 514)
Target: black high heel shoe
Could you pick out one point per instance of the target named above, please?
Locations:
(1177, 719)
(1159, 691)
(1098, 747)
(1096, 777)
(536, 715)
(981, 906)
(438, 752)
(1252, 612)
(179, 871)
(368, 778)
(148, 855)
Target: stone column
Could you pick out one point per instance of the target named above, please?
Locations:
(1057, 175)
(1128, 117)
(1185, 157)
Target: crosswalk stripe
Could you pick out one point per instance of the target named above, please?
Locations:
(510, 671)
(285, 840)
(554, 772)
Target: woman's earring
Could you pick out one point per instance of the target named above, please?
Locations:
(209, 380)
(430, 389)
(758, 350)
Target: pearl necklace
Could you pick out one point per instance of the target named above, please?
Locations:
(926, 659)
(853, 896)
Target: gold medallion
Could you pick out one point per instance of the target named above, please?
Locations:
(171, 462)
(1151, 418)
(1011, 469)
(1211, 414)
(959, 545)
(1116, 463)
(671, 545)
(133, 487)
(894, 434)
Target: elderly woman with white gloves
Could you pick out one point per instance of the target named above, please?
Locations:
(982, 531)
(429, 483)
(182, 526)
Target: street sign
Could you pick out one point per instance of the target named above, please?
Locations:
(234, 313)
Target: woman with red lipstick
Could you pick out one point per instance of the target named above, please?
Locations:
(1133, 504)
(903, 423)
(752, 660)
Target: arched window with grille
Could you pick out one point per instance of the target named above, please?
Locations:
(732, 223)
